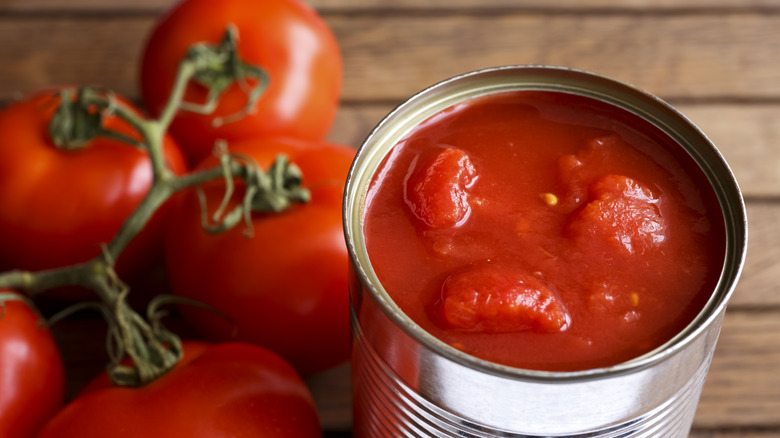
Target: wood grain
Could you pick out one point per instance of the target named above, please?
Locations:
(389, 58)
(748, 137)
(85, 51)
(673, 57)
(412, 5)
(744, 369)
(741, 433)
(760, 282)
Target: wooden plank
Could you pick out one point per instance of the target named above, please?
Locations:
(739, 433)
(760, 280)
(742, 388)
(47, 6)
(674, 57)
(409, 5)
(40, 53)
(388, 58)
(490, 5)
(332, 393)
(747, 136)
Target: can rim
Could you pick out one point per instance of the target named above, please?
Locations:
(726, 187)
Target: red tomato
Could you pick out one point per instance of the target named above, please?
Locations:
(227, 390)
(32, 377)
(285, 288)
(58, 206)
(286, 38)
(191, 350)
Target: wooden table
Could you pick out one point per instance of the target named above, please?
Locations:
(717, 61)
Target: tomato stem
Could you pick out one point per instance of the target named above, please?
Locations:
(217, 68)
(78, 119)
(6, 296)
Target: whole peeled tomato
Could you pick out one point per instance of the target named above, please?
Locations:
(286, 38)
(60, 205)
(284, 286)
(217, 391)
(32, 376)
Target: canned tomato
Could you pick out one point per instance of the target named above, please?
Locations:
(537, 251)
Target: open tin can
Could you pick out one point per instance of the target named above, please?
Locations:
(407, 383)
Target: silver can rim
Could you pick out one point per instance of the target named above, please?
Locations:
(641, 102)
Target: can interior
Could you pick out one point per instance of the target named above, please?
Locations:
(428, 102)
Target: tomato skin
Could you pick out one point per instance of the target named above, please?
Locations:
(59, 205)
(284, 37)
(226, 390)
(285, 288)
(32, 376)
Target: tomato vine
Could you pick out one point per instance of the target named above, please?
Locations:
(153, 350)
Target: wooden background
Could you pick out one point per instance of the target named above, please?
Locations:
(717, 61)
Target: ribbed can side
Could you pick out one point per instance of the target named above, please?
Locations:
(674, 419)
(386, 407)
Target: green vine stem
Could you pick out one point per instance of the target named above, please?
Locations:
(6, 296)
(151, 348)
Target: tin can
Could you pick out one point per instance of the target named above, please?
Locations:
(407, 383)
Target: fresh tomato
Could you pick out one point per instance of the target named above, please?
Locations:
(285, 287)
(32, 377)
(286, 38)
(217, 391)
(58, 206)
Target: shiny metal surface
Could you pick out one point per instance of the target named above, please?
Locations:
(408, 383)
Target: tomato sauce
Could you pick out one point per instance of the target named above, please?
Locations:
(544, 230)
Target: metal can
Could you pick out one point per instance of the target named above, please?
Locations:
(407, 383)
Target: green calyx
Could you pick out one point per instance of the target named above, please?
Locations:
(74, 124)
(272, 191)
(217, 67)
(277, 189)
(80, 116)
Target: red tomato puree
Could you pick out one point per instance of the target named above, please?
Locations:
(544, 230)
